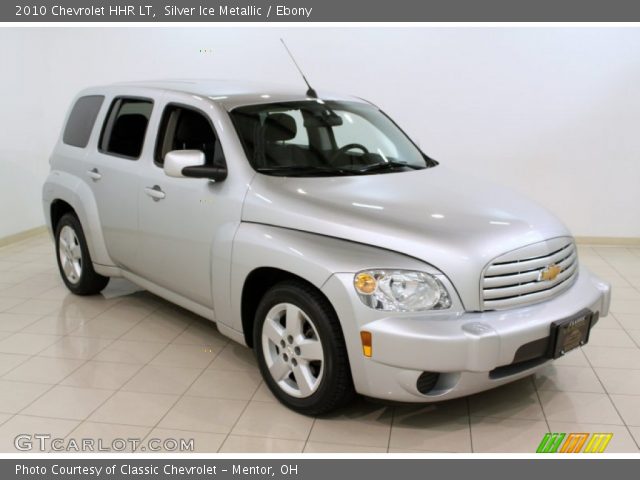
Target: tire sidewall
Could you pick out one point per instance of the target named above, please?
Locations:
(298, 297)
(73, 222)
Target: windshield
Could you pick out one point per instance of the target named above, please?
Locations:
(324, 138)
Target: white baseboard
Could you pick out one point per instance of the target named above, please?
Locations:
(617, 241)
(20, 236)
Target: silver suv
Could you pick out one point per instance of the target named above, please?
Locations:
(312, 229)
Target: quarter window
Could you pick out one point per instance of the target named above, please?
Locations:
(81, 120)
(125, 128)
(183, 128)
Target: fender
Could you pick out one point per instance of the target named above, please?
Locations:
(310, 256)
(64, 186)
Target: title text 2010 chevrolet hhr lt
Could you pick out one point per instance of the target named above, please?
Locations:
(316, 232)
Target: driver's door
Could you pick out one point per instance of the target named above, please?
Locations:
(179, 217)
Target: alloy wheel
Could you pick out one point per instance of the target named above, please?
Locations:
(70, 254)
(293, 350)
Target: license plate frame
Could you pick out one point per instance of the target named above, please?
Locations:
(570, 333)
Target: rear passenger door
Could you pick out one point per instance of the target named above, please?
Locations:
(113, 172)
(179, 217)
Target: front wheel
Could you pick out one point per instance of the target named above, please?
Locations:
(74, 261)
(301, 350)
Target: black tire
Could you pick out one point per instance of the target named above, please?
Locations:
(88, 282)
(335, 387)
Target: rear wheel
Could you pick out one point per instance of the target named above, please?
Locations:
(300, 349)
(74, 261)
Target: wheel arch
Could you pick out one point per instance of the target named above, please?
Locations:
(263, 255)
(58, 209)
(63, 193)
(256, 284)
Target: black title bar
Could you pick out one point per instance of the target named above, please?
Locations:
(320, 11)
(314, 469)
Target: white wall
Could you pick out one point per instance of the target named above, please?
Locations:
(553, 113)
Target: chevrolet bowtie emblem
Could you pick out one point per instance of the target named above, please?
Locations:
(549, 273)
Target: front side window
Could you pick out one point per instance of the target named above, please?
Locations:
(315, 137)
(183, 128)
(125, 127)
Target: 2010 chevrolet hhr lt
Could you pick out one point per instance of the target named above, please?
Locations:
(312, 229)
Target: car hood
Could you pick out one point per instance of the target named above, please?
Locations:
(454, 222)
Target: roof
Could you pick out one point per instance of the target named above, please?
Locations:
(234, 93)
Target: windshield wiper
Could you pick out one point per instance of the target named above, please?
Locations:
(301, 170)
(306, 170)
(386, 166)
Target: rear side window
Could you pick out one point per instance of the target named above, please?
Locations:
(125, 127)
(81, 120)
(183, 128)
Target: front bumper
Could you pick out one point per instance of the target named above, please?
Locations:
(471, 351)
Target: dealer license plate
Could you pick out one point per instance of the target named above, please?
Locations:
(570, 333)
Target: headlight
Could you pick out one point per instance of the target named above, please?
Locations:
(401, 290)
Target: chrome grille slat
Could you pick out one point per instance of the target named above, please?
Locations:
(525, 277)
(526, 265)
(526, 300)
(530, 287)
(511, 281)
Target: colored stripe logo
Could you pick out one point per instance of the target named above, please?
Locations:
(598, 442)
(550, 442)
(574, 443)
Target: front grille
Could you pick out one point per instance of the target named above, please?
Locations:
(514, 279)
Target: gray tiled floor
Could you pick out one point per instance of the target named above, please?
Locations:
(127, 364)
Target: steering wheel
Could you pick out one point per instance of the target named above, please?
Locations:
(346, 148)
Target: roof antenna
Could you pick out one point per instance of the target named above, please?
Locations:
(311, 92)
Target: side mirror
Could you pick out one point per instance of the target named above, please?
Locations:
(177, 160)
(191, 163)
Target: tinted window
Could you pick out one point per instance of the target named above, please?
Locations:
(81, 120)
(125, 127)
(183, 128)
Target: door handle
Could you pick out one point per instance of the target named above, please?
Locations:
(155, 192)
(94, 174)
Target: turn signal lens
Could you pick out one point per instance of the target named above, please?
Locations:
(365, 283)
(366, 339)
